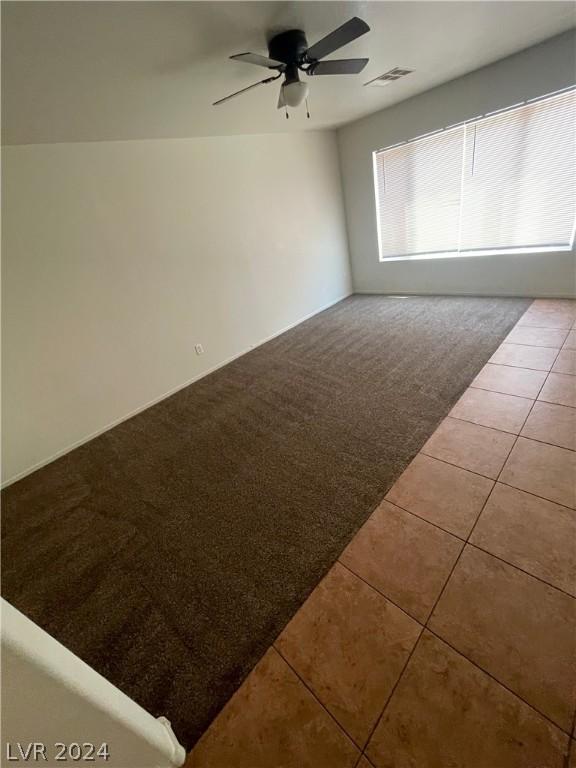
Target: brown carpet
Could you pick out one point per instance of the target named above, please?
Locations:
(169, 552)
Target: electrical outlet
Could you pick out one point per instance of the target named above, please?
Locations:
(199, 349)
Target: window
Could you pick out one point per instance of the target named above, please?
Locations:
(502, 183)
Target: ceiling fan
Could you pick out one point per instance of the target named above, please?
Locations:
(289, 54)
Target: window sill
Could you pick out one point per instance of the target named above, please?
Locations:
(471, 254)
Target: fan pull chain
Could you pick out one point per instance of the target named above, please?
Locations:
(286, 108)
(307, 110)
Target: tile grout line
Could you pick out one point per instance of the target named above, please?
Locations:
(530, 493)
(313, 694)
(466, 541)
(522, 570)
(571, 741)
(456, 563)
(521, 428)
(505, 432)
(512, 448)
(382, 594)
(413, 618)
(494, 429)
(530, 412)
(525, 367)
(469, 421)
(459, 652)
(449, 576)
(424, 520)
(498, 682)
(389, 698)
(499, 392)
(543, 327)
(484, 506)
(505, 394)
(464, 469)
(521, 368)
(393, 691)
(535, 346)
(519, 434)
(545, 371)
(501, 482)
(540, 391)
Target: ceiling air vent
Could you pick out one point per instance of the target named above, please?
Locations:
(389, 77)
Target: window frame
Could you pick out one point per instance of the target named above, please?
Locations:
(463, 254)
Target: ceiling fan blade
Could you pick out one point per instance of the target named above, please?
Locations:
(338, 67)
(260, 61)
(341, 36)
(243, 90)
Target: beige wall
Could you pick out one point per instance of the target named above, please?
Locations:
(119, 257)
(534, 72)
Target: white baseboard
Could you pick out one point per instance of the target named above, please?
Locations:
(171, 392)
(492, 294)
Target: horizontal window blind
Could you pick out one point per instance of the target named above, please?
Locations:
(418, 194)
(503, 182)
(519, 186)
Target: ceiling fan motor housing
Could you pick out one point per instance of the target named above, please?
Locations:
(289, 47)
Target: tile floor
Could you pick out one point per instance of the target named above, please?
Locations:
(446, 633)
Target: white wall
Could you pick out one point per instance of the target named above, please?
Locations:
(118, 257)
(537, 71)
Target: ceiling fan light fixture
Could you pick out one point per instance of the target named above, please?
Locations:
(294, 93)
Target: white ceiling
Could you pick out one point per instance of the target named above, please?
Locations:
(90, 71)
